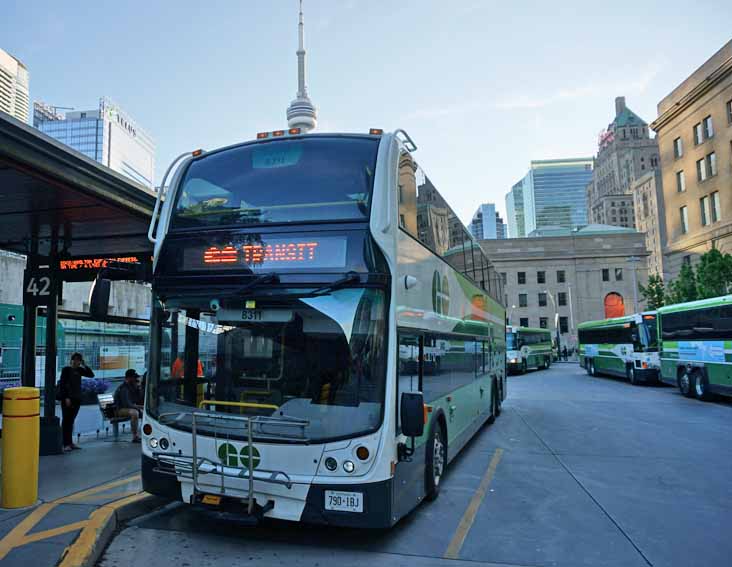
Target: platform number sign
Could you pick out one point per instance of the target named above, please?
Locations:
(38, 287)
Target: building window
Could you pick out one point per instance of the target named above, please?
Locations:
(618, 274)
(523, 300)
(701, 170)
(712, 164)
(402, 222)
(563, 325)
(715, 206)
(540, 277)
(543, 321)
(708, 127)
(605, 275)
(562, 298)
(704, 208)
(561, 276)
(654, 161)
(680, 181)
(401, 197)
(614, 305)
(698, 138)
(524, 322)
(521, 278)
(729, 111)
(686, 260)
(684, 220)
(678, 148)
(503, 278)
(542, 299)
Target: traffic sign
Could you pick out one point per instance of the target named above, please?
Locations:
(39, 287)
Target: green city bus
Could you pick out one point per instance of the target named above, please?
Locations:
(622, 346)
(528, 348)
(696, 346)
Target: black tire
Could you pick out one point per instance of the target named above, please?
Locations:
(494, 396)
(435, 461)
(700, 386)
(683, 380)
(630, 374)
(588, 366)
(499, 401)
(593, 370)
(524, 367)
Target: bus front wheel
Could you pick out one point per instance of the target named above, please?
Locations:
(436, 461)
(631, 375)
(684, 382)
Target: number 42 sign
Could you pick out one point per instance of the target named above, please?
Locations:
(39, 287)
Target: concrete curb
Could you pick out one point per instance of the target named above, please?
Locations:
(88, 547)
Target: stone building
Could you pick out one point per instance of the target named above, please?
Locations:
(694, 131)
(650, 218)
(580, 277)
(625, 152)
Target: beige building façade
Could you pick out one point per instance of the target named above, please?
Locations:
(586, 275)
(694, 131)
(650, 218)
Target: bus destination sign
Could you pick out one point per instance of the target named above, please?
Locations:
(282, 253)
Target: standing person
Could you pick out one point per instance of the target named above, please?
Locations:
(564, 352)
(126, 401)
(69, 392)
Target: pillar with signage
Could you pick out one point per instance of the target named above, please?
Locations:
(41, 289)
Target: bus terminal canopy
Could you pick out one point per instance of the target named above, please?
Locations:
(56, 201)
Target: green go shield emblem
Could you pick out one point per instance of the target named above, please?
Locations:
(231, 457)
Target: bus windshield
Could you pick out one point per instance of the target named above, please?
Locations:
(649, 334)
(317, 359)
(511, 341)
(281, 181)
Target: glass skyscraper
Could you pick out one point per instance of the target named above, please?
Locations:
(106, 134)
(551, 195)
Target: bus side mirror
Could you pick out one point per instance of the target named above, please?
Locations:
(412, 412)
(99, 298)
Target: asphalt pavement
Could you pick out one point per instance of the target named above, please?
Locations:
(576, 471)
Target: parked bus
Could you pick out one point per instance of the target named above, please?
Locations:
(528, 348)
(340, 334)
(623, 346)
(696, 346)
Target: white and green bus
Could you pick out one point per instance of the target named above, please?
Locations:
(696, 346)
(623, 346)
(528, 348)
(326, 335)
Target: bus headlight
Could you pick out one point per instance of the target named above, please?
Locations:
(152, 442)
(164, 444)
(348, 466)
(331, 464)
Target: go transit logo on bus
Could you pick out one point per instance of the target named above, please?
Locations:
(231, 457)
(440, 294)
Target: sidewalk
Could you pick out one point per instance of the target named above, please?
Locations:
(82, 497)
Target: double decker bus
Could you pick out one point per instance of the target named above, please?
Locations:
(528, 348)
(622, 346)
(696, 346)
(325, 334)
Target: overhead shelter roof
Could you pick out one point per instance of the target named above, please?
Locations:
(48, 189)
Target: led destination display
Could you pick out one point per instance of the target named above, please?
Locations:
(287, 253)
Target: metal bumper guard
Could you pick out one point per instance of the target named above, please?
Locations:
(193, 467)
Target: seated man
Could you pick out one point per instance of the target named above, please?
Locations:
(126, 399)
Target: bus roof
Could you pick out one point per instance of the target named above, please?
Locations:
(699, 304)
(614, 322)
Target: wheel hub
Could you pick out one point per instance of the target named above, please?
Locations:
(438, 460)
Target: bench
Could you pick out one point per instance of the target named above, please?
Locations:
(106, 403)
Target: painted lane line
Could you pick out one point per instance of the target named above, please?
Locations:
(81, 550)
(466, 522)
(14, 538)
(98, 489)
(38, 536)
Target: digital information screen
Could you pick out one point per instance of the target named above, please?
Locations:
(270, 254)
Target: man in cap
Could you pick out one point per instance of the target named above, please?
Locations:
(125, 401)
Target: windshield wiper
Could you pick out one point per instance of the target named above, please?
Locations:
(350, 277)
(259, 280)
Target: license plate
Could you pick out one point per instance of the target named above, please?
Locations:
(343, 501)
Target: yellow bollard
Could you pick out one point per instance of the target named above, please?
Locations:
(21, 436)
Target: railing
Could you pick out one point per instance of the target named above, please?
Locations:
(222, 427)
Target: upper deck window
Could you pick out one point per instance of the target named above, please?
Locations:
(284, 181)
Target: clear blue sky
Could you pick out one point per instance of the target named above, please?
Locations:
(482, 86)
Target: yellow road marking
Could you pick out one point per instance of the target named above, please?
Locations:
(110, 496)
(15, 536)
(18, 536)
(453, 550)
(38, 536)
(81, 549)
